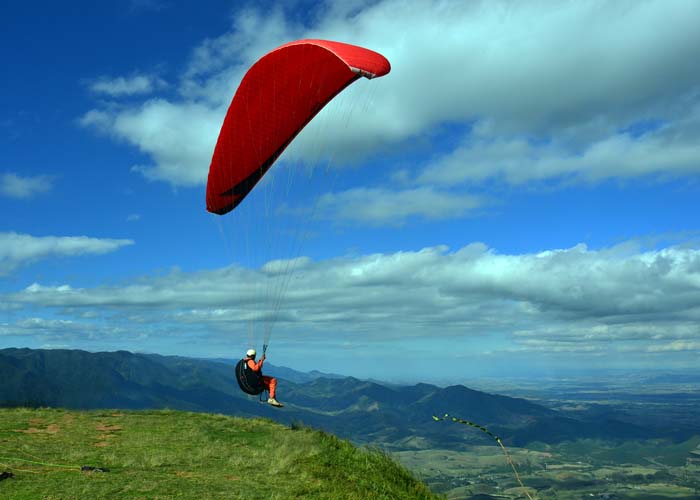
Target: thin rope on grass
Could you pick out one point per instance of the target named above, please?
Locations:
(36, 462)
(495, 437)
(12, 467)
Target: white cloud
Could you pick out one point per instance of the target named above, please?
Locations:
(21, 249)
(573, 73)
(670, 151)
(24, 187)
(66, 332)
(32, 325)
(386, 207)
(677, 345)
(180, 138)
(101, 120)
(626, 338)
(127, 86)
(574, 300)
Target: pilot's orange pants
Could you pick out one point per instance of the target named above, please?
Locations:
(270, 384)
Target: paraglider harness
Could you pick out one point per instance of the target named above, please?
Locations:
(250, 381)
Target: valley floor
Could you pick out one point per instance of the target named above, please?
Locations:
(586, 469)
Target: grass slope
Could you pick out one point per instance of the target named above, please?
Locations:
(173, 454)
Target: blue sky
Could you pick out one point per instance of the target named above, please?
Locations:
(518, 196)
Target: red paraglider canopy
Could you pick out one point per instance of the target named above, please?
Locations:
(277, 97)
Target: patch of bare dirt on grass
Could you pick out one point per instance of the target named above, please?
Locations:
(108, 428)
(50, 429)
(107, 432)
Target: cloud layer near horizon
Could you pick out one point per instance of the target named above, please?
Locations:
(574, 300)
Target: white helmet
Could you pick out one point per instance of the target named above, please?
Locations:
(250, 353)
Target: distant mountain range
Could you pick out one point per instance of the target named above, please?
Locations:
(363, 411)
(282, 372)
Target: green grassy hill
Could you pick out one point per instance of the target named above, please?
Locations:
(173, 454)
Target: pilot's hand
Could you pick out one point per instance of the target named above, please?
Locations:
(263, 358)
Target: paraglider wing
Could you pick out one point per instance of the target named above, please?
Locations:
(277, 97)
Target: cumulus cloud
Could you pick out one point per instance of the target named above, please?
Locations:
(24, 187)
(62, 333)
(628, 337)
(34, 325)
(179, 137)
(569, 75)
(572, 300)
(677, 345)
(126, 86)
(18, 249)
(669, 151)
(377, 206)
